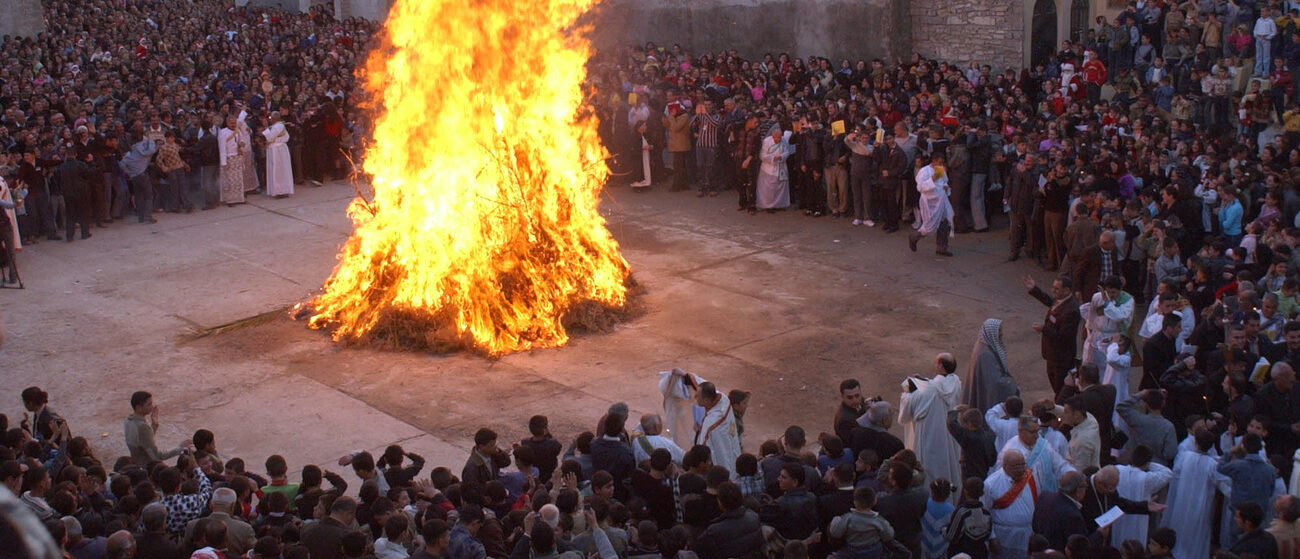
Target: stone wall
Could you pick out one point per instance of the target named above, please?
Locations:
(21, 17)
(987, 31)
(832, 28)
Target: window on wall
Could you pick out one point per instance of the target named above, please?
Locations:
(1079, 14)
(1043, 38)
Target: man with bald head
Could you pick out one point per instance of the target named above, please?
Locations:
(239, 534)
(652, 427)
(155, 542)
(923, 411)
(121, 545)
(1057, 514)
(1099, 262)
(1010, 494)
(1279, 402)
(1101, 496)
(1286, 526)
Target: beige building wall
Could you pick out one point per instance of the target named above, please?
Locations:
(21, 17)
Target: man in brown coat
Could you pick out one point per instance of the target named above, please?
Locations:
(679, 143)
(1079, 237)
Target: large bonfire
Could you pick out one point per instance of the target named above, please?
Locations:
(483, 232)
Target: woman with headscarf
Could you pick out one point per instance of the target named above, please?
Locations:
(773, 190)
(989, 381)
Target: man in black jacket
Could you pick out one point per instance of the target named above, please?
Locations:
(736, 533)
(1254, 541)
(1060, 328)
(1279, 402)
(894, 168)
(1101, 496)
(75, 178)
(611, 454)
(1019, 196)
(1058, 514)
(794, 513)
(1160, 352)
(1098, 400)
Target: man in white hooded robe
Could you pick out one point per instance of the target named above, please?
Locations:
(923, 412)
(279, 168)
(936, 211)
(773, 190)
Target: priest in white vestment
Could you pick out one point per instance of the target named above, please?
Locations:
(1047, 464)
(678, 388)
(923, 412)
(1138, 483)
(1010, 493)
(1191, 498)
(772, 191)
(718, 430)
(1108, 313)
(936, 212)
(279, 169)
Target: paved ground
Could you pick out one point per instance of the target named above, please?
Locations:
(782, 305)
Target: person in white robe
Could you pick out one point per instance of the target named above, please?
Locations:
(1119, 362)
(1138, 483)
(988, 381)
(1295, 474)
(936, 211)
(1010, 493)
(1191, 499)
(646, 147)
(678, 388)
(773, 187)
(923, 412)
(230, 148)
(1004, 424)
(250, 164)
(1108, 313)
(718, 429)
(11, 214)
(648, 437)
(1047, 464)
(279, 169)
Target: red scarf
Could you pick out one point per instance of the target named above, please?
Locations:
(1014, 493)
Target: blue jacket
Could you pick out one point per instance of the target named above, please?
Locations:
(1230, 218)
(1252, 479)
(137, 160)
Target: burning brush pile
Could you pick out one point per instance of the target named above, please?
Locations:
(483, 232)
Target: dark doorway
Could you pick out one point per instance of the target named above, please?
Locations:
(1078, 19)
(1043, 41)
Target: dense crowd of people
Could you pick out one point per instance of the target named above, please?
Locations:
(128, 108)
(1131, 163)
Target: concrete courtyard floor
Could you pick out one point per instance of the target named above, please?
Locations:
(781, 305)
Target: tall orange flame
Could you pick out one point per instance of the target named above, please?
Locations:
(484, 231)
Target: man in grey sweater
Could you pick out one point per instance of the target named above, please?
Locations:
(139, 431)
(1146, 426)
